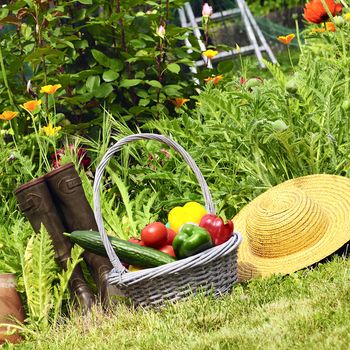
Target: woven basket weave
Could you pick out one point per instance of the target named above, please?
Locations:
(213, 271)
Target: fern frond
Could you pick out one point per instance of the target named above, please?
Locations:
(276, 72)
(60, 289)
(38, 274)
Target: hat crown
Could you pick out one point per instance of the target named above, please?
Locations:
(284, 222)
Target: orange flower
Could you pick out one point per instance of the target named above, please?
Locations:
(50, 89)
(317, 30)
(315, 12)
(179, 102)
(31, 106)
(209, 54)
(330, 26)
(8, 115)
(215, 79)
(286, 39)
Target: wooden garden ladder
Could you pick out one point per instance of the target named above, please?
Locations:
(258, 43)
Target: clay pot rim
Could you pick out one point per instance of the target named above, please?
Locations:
(7, 274)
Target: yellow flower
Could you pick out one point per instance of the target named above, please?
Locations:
(31, 106)
(215, 79)
(210, 54)
(50, 89)
(286, 39)
(8, 115)
(179, 102)
(347, 16)
(51, 130)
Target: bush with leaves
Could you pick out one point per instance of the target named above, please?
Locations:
(101, 51)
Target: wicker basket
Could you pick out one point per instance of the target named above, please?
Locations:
(213, 271)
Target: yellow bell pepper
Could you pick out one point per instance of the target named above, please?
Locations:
(133, 268)
(190, 212)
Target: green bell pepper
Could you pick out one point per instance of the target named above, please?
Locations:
(191, 240)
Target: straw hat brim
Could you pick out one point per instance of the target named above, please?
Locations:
(332, 193)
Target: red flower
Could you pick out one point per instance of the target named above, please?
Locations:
(315, 12)
(81, 153)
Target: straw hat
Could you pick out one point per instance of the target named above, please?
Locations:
(293, 225)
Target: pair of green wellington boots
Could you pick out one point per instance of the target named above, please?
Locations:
(58, 202)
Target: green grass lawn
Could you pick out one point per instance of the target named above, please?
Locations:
(306, 310)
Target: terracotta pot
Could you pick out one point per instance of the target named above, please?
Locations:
(10, 307)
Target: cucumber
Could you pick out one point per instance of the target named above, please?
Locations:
(127, 252)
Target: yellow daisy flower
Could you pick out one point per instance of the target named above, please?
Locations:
(50, 89)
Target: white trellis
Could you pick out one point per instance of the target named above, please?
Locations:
(257, 42)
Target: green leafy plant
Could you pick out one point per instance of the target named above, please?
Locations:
(45, 287)
(100, 51)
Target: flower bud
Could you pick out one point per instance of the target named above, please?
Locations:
(339, 21)
(279, 125)
(292, 86)
(207, 10)
(346, 105)
(161, 31)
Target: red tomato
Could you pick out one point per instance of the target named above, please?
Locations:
(168, 249)
(171, 236)
(136, 241)
(154, 235)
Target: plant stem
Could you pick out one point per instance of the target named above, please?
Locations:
(3, 70)
(329, 13)
(298, 35)
(345, 64)
(290, 57)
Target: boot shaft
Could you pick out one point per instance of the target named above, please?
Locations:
(66, 188)
(35, 201)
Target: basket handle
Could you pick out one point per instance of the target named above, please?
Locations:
(209, 205)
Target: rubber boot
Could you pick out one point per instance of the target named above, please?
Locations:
(35, 201)
(66, 188)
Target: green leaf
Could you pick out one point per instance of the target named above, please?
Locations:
(142, 93)
(154, 83)
(144, 102)
(110, 75)
(47, 52)
(116, 65)
(137, 44)
(174, 68)
(92, 83)
(103, 90)
(130, 82)
(3, 13)
(100, 57)
(85, 2)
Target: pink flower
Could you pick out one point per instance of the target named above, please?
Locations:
(207, 10)
(161, 31)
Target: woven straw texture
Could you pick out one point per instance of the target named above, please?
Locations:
(213, 271)
(293, 225)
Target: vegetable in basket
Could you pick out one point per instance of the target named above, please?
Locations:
(130, 253)
(190, 212)
(219, 232)
(154, 235)
(191, 240)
